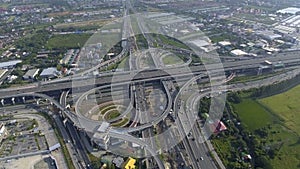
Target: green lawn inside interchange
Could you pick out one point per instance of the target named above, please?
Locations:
(279, 116)
(172, 59)
(112, 114)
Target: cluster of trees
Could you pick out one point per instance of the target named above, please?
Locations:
(69, 41)
(243, 140)
(35, 42)
(266, 91)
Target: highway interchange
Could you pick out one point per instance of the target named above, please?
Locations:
(185, 110)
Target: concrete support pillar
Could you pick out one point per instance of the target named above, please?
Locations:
(259, 71)
(38, 101)
(13, 100)
(65, 121)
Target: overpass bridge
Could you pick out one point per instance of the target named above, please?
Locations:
(286, 58)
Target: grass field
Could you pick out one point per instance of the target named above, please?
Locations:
(287, 106)
(112, 114)
(172, 42)
(252, 115)
(67, 41)
(172, 60)
(256, 18)
(79, 24)
(124, 63)
(279, 116)
(4, 5)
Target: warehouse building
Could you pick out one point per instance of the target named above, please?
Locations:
(31, 74)
(9, 64)
(49, 73)
(290, 10)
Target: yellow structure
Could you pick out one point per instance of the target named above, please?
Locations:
(129, 163)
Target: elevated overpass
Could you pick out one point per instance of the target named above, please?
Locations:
(287, 58)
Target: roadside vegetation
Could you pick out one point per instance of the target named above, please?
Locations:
(263, 123)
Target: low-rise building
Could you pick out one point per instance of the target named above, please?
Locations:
(268, 35)
(129, 163)
(238, 52)
(224, 43)
(49, 73)
(3, 132)
(11, 78)
(31, 74)
(289, 10)
(9, 64)
(2, 72)
(118, 161)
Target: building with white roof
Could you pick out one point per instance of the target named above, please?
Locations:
(290, 10)
(285, 29)
(238, 52)
(224, 43)
(3, 132)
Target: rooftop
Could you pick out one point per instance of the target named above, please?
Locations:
(290, 10)
(9, 63)
(238, 52)
(130, 163)
(49, 71)
(200, 42)
(31, 73)
(224, 43)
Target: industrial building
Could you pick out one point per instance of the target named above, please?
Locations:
(290, 10)
(31, 74)
(49, 73)
(9, 64)
(285, 29)
(268, 35)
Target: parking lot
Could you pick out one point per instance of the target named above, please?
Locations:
(22, 139)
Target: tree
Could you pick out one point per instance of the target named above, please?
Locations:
(263, 162)
(234, 98)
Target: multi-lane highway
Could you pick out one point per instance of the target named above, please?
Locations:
(288, 58)
(197, 152)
